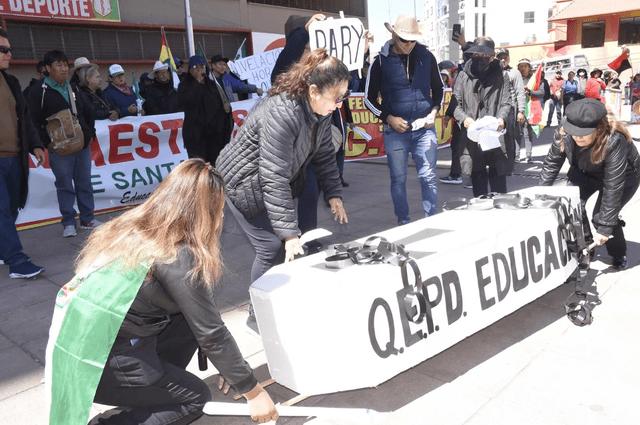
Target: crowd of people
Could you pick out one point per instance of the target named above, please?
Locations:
(290, 148)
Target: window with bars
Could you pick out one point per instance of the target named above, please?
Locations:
(31, 42)
(353, 7)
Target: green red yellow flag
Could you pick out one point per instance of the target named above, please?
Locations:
(167, 57)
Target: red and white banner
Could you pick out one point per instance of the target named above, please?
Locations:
(132, 155)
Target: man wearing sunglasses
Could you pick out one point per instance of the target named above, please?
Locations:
(17, 138)
(406, 75)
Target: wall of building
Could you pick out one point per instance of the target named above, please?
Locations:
(506, 21)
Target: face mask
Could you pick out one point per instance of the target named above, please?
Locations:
(480, 64)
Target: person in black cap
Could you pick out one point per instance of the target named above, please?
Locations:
(483, 90)
(207, 113)
(602, 159)
(231, 84)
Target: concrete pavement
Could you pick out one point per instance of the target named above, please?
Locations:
(533, 366)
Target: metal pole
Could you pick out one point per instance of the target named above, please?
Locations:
(189, 27)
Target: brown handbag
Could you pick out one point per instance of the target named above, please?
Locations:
(64, 129)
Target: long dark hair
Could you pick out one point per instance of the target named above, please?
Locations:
(314, 68)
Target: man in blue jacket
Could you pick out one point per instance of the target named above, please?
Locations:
(406, 74)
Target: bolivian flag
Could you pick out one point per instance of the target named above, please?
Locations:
(533, 111)
(167, 57)
(88, 314)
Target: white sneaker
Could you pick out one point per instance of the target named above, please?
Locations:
(90, 226)
(69, 231)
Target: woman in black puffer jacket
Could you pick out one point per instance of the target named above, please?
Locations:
(602, 158)
(264, 166)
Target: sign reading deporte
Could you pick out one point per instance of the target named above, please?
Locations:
(103, 10)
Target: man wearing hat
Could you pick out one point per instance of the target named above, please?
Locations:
(231, 85)
(602, 158)
(406, 74)
(78, 64)
(556, 98)
(160, 96)
(119, 94)
(595, 86)
(207, 113)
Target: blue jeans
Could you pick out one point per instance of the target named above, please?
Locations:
(423, 146)
(73, 182)
(10, 246)
(556, 104)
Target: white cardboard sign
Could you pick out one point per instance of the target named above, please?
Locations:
(342, 38)
(327, 330)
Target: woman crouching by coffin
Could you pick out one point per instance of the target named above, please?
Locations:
(603, 159)
(165, 256)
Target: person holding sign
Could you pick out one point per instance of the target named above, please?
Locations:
(264, 167)
(406, 74)
(145, 287)
(602, 158)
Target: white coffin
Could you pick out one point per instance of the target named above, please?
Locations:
(328, 330)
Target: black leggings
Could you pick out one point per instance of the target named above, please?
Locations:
(150, 378)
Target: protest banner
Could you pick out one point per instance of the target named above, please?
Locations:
(367, 323)
(342, 38)
(256, 68)
(130, 158)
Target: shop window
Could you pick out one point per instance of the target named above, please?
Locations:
(529, 17)
(629, 32)
(593, 34)
(31, 42)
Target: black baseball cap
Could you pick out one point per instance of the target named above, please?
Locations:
(502, 51)
(218, 58)
(583, 116)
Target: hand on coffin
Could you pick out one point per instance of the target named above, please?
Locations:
(292, 246)
(601, 239)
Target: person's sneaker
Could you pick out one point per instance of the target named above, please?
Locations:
(1, 262)
(90, 226)
(343, 183)
(469, 185)
(69, 231)
(451, 180)
(517, 159)
(619, 263)
(24, 270)
(529, 160)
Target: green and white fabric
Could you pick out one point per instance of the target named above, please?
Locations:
(88, 314)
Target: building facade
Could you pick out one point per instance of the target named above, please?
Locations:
(128, 31)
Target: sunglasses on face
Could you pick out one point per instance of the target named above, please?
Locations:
(402, 40)
(5, 50)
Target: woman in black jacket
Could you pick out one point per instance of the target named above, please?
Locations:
(264, 166)
(176, 233)
(602, 159)
(89, 84)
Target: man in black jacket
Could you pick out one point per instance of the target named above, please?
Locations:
(160, 96)
(207, 113)
(72, 172)
(17, 138)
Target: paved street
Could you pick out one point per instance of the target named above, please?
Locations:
(532, 366)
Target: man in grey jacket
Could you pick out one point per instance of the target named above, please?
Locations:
(525, 130)
(518, 98)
